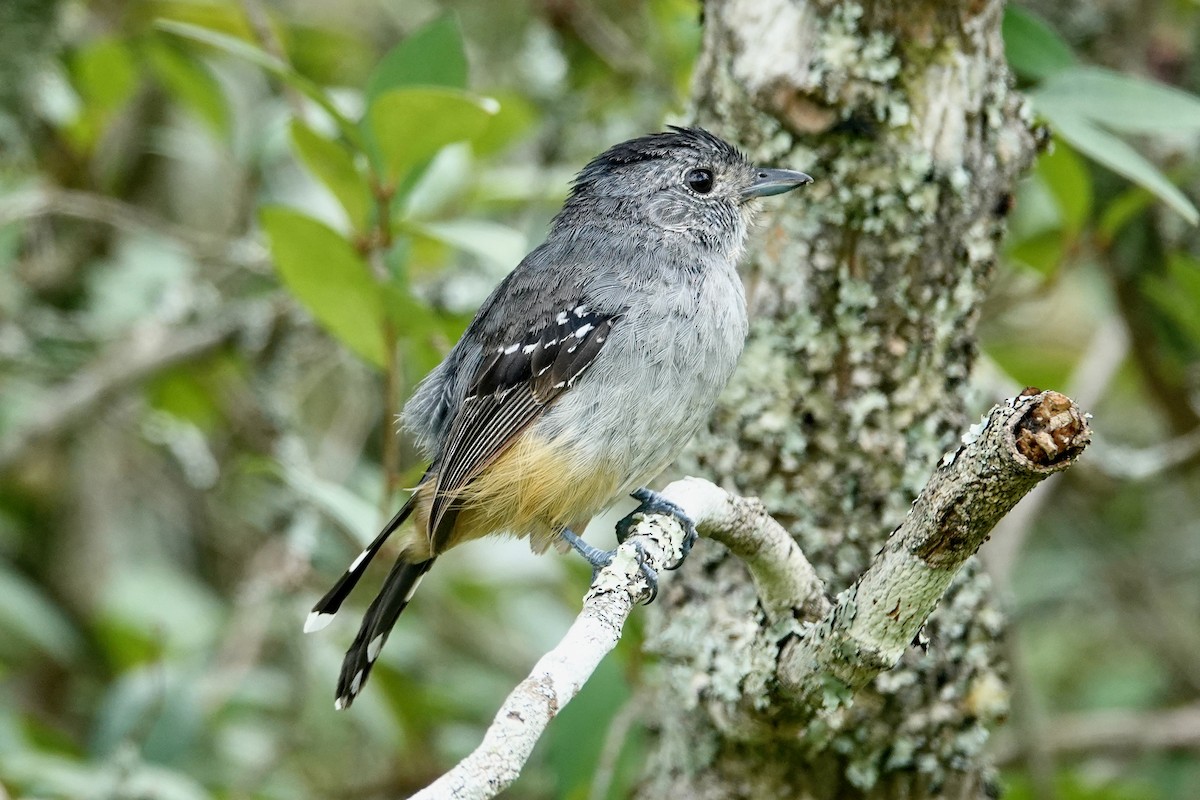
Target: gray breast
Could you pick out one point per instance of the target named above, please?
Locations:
(658, 378)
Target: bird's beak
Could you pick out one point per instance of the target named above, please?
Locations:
(774, 181)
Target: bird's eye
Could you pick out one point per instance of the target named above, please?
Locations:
(699, 181)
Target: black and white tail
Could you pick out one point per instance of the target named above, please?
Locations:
(381, 614)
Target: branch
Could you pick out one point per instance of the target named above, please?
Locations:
(47, 201)
(1014, 447)
(1117, 731)
(560, 674)
(127, 363)
(786, 582)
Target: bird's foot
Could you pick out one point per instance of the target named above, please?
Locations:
(599, 559)
(655, 503)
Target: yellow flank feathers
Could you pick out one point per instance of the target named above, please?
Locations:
(533, 488)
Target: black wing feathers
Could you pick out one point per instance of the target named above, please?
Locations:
(510, 390)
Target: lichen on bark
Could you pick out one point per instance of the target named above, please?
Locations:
(864, 295)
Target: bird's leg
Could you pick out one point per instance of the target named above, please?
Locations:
(655, 503)
(599, 559)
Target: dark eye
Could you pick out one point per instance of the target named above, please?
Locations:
(699, 180)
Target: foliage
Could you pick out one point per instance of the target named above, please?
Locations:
(233, 236)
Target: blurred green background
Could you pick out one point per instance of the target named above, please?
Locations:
(233, 235)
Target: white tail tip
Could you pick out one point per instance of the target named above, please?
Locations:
(316, 621)
(339, 704)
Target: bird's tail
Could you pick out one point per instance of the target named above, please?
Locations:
(322, 613)
(381, 615)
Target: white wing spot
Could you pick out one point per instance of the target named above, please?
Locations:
(559, 385)
(512, 348)
(581, 309)
(572, 348)
(529, 348)
(551, 343)
(583, 330)
(561, 319)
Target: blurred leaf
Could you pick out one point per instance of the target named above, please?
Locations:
(30, 619)
(1177, 294)
(227, 18)
(330, 278)
(1033, 49)
(191, 84)
(1043, 252)
(248, 52)
(156, 706)
(104, 73)
(1109, 151)
(411, 125)
(516, 115)
(1119, 102)
(487, 240)
(354, 514)
(1121, 210)
(331, 56)
(431, 56)
(156, 607)
(334, 166)
(1067, 178)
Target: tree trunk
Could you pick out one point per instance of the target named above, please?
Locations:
(864, 291)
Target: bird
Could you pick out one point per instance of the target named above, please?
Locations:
(583, 374)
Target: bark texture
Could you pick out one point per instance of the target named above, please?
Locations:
(863, 295)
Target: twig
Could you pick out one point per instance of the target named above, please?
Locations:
(125, 364)
(45, 201)
(787, 585)
(1088, 384)
(260, 23)
(1118, 732)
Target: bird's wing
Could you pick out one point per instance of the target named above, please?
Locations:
(514, 384)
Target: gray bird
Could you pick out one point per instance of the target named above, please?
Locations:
(584, 373)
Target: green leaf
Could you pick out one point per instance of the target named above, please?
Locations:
(30, 619)
(1033, 49)
(104, 73)
(248, 52)
(1119, 102)
(488, 240)
(1177, 294)
(330, 278)
(516, 115)
(1067, 178)
(333, 165)
(190, 83)
(411, 125)
(1111, 152)
(431, 56)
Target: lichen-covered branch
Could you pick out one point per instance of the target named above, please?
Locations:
(560, 674)
(1014, 447)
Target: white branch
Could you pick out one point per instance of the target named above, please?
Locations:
(785, 580)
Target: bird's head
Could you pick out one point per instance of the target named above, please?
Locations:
(685, 181)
